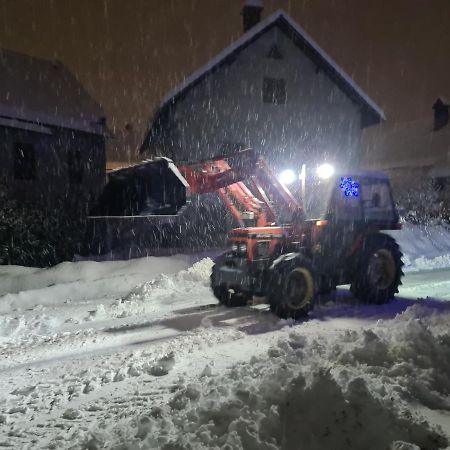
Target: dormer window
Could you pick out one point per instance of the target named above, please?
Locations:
(441, 114)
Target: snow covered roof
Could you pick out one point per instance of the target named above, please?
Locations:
(372, 113)
(45, 92)
(23, 125)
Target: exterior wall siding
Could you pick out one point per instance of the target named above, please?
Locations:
(51, 185)
(318, 121)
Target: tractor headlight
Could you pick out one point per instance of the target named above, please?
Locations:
(243, 248)
(287, 176)
(234, 247)
(325, 171)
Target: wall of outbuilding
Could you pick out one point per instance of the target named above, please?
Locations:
(51, 186)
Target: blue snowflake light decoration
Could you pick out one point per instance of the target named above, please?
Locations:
(349, 187)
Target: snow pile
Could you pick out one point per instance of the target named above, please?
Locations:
(23, 287)
(351, 390)
(12, 327)
(185, 280)
(424, 247)
(74, 310)
(159, 296)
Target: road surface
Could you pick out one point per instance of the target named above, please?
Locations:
(84, 356)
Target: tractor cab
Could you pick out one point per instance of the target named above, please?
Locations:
(362, 198)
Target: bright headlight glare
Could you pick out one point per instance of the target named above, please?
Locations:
(287, 176)
(325, 171)
(243, 248)
(234, 247)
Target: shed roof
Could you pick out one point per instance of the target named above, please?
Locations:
(45, 92)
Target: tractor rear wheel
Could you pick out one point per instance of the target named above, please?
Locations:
(292, 288)
(378, 270)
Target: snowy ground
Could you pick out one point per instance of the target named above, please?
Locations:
(137, 354)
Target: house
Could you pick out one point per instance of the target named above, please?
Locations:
(274, 89)
(52, 134)
(415, 154)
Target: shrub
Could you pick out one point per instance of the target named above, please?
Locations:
(36, 236)
(421, 204)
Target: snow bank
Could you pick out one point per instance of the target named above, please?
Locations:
(351, 390)
(162, 296)
(23, 287)
(63, 309)
(424, 247)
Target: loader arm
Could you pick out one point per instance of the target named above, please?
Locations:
(228, 175)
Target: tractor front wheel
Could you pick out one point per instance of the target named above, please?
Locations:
(229, 298)
(292, 288)
(378, 270)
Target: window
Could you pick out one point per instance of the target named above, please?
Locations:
(274, 53)
(75, 166)
(347, 209)
(441, 114)
(274, 91)
(377, 201)
(24, 162)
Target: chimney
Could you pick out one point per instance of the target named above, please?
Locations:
(251, 13)
(441, 114)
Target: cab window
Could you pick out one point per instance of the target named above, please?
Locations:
(377, 200)
(346, 208)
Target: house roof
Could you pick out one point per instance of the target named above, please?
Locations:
(372, 113)
(45, 92)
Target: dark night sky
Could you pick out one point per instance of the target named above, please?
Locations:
(129, 53)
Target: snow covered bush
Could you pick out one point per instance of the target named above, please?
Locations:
(421, 203)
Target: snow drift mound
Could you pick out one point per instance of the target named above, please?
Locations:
(163, 288)
(12, 328)
(160, 297)
(353, 390)
(423, 246)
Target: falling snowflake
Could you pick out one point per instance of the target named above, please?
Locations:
(349, 187)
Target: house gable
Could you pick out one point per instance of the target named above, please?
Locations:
(230, 108)
(370, 112)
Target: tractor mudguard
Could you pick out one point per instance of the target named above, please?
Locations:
(285, 257)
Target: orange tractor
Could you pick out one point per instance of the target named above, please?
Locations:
(284, 250)
(289, 252)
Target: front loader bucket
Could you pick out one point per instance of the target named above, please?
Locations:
(151, 188)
